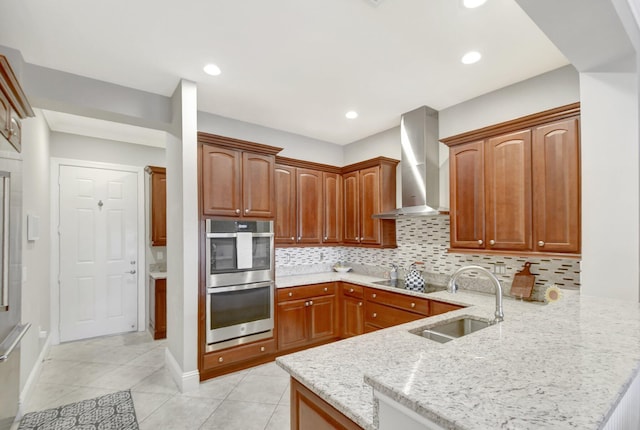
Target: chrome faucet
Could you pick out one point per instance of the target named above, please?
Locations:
(452, 287)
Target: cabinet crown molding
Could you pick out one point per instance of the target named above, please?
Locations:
(369, 163)
(527, 121)
(231, 143)
(155, 169)
(292, 162)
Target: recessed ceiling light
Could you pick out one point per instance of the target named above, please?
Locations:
(212, 69)
(351, 114)
(473, 3)
(471, 57)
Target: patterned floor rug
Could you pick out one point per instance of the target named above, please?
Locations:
(113, 411)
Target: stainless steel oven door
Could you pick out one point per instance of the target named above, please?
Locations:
(238, 258)
(238, 311)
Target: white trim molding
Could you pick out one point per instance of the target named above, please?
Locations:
(30, 385)
(186, 381)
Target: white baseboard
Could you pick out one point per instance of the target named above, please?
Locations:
(186, 381)
(30, 385)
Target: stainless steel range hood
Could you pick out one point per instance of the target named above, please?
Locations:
(420, 166)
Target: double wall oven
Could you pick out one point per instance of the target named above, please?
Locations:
(240, 281)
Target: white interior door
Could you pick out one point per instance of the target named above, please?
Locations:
(98, 252)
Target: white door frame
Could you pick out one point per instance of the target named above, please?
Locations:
(55, 238)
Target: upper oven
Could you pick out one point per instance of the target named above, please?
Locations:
(238, 252)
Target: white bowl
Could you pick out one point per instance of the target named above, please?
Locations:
(342, 269)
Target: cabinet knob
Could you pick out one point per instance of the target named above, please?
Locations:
(480, 242)
(374, 295)
(374, 315)
(290, 294)
(326, 289)
(299, 238)
(306, 303)
(220, 359)
(325, 238)
(413, 305)
(310, 302)
(540, 243)
(358, 239)
(293, 238)
(359, 303)
(262, 349)
(492, 242)
(237, 211)
(351, 290)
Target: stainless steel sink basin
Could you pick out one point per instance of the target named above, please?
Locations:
(452, 329)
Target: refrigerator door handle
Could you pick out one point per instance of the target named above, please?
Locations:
(12, 340)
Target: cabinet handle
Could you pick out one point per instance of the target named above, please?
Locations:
(326, 289)
(246, 211)
(262, 349)
(540, 243)
(220, 359)
(237, 211)
(359, 303)
(413, 305)
(492, 242)
(480, 242)
(374, 295)
(374, 315)
(351, 290)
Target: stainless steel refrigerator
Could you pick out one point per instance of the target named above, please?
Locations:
(11, 327)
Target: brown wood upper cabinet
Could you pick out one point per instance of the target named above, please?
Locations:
(158, 202)
(308, 203)
(515, 186)
(14, 105)
(237, 177)
(369, 188)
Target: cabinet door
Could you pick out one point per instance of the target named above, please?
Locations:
(258, 190)
(292, 324)
(309, 210)
(351, 226)
(158, 208)
(323, 318)
(160, 309)
(285, 225)
(5, 115)
(221, 181)
(332, 207)
(466, 174)
(556, 187)
(369, 205)
(508, 191)
(352, 317)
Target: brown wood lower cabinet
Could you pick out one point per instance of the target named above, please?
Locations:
(307, 315)
(230, 356)
(308, 411)
(158, 308)
(352, 312)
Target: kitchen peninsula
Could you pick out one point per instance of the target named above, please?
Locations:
(562, 365)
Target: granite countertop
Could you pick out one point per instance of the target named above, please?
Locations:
(158, 275)
(561, 365)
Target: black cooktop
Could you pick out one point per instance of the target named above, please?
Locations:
(399, 283)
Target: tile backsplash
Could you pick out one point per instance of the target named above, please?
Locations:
(427, 240)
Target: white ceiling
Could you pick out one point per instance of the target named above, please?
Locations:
(293, 65)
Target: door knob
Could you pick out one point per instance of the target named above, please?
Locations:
(132, 271)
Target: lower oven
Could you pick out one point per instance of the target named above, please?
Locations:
(237, 314)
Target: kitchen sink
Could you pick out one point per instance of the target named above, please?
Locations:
(449, 330)
(400, 284)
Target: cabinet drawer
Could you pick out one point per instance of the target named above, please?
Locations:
(438, 308)
(353, 290)
(402, 301)
(306, 292)
(221, 358)
(386, 316)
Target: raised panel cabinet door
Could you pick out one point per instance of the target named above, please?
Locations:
(221, 181)
(508, 191)
(258, 190)
(369, 205)
(352, 316)
(466, 174)
(285, 225)
(556, 187)
(293, 324)
(323, 317)
(332, 207)
(160, 308)
(351, 198)
(309, 210)
(158, 206)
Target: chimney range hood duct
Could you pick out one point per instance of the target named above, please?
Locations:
(419, 166)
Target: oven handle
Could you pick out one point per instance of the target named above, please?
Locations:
(214, 290)
(221, 235)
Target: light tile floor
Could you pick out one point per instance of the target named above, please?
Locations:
(256, 398)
